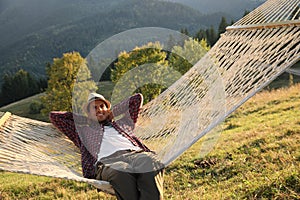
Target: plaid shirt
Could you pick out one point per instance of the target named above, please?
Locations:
(87, 136)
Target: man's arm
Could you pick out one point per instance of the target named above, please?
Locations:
(130, 107)
(64, 121)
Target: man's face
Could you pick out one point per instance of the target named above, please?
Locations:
(98, 111)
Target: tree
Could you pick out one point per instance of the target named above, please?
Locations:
(63, 74)
(149, 69)
(211, 36)
(18, 86)
(246, 12)
(231, 22)
(183, 58)
(141, 70)
(201, 34)
(184, 31)
(222, 26)
(42, 84)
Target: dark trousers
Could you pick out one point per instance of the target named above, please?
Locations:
(133, 175)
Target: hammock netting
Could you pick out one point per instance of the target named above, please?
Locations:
(247, 57)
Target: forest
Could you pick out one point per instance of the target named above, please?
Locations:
(32, 35)
(21, 83)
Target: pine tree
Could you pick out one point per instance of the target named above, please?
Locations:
(232, 22)
(211, 36)
(18, 86)
(63, 74)
(6, 90)
(184, 31)
(201, 34)
(222, 26)
(246, 13)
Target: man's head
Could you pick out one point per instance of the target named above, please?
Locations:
(98, 108)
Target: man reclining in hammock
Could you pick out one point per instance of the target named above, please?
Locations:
(109, 149)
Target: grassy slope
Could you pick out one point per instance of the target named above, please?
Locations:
(21, 108)
(257, 156)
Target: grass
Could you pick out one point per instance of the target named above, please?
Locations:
(257, 156)
(22, 186)
(21, 108)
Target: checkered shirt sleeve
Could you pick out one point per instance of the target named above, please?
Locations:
(64, 122)
(130, 107)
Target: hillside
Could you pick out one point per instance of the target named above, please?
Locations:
(257, 156)
(19, 18)
(22, 108)
(234, 8)
(35, 32)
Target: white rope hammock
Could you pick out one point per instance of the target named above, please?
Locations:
(35, 147)
(252, 53)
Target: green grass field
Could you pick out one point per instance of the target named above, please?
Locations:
(257, 156)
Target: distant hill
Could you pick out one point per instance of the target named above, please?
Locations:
(233, 8)
(34, 31)
(19, 18)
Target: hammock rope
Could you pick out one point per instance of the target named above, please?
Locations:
(244, 60)
(247, 57)
(35, 147)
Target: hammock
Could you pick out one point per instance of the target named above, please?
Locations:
(251, 54)
(35, 147)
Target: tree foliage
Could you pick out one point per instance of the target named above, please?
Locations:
(222, 26)
(151, 53)
(149, 69)
(18, 86)
(184, 57)
(63, 74)
(210, 34)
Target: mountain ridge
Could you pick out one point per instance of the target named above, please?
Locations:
(235, 8)
(36, 31)
(41, 43)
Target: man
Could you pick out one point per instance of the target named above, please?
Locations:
(109, 149)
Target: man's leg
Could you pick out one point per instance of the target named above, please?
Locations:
(124, 183)
(143, 171)
(150, 185)
(150, 175)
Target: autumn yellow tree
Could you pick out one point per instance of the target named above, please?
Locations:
(133, 68)
(150, 70)
(63, 74)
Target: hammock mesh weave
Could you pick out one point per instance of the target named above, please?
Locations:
(248, 56)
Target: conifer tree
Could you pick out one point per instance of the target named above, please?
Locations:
(246, 12)
(18, 86)
(222, 26)
(211, 36)
(184, 31)
(201, 34)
